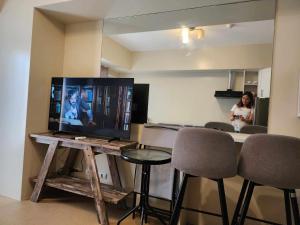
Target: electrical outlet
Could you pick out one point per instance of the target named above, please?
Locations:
(103, 175)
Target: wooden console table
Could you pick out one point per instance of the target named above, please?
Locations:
(91, 187)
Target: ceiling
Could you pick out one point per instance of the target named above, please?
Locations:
(70, 11)
(257, 32)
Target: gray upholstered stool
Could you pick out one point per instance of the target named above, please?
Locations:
(205, 153)
(254, 129)
(220, 126)
(272, 160)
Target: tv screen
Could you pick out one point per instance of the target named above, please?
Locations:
(140, 103)
(91, 106)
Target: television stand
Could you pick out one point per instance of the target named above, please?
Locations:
(114, 139)
(90, 187)
(60, 133)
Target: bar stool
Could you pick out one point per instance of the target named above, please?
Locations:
(205, 153)
(220, 126)
(270, 160)
(146, 158)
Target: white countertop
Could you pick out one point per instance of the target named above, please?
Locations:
(239, 137)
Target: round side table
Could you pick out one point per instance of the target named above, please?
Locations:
(146, 158)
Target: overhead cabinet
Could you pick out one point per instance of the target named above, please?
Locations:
(264, 83)
(258, 82)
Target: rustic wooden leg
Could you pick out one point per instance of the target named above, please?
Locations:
(95, 185)
(70, 161)
(43, 172)
(115, 176)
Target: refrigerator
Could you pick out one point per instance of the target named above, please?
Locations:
(261, 111)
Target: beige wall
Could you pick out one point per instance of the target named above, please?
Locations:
(83, 49)
(47, 53)
(116, 54)
(72, 50)
(286, 70)
(82, 57)
(232, 57)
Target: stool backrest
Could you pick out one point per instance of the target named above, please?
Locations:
(158, 137)
(254, 129)
(220, 126)
(204, 152)
(271, 160)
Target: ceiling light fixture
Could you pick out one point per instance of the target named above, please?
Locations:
(230, 25)
(185, 35)
(199, 33)
(186, 32)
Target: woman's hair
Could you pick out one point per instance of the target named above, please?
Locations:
(251, 100)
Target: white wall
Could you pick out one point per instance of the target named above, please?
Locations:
(187, 97)
(16, 19)
(229, 57)
(15, 40)
(286, 70)
(47, 59)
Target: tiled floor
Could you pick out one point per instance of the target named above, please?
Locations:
(66, 211)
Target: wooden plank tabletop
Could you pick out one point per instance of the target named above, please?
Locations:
(99, 145)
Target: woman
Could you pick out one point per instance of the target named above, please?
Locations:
(242, 113)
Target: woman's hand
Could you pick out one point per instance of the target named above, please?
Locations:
(231, 116)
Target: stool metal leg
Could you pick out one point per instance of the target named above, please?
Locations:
(246, 204)
(239, 203)
(127, 214)
(295, 207)
(147, 184)
(143, 206)
(143, 195)
(142, 216)
(134, 204)
(174, 190)
(223, 204)
(287, 207)
(176, 212)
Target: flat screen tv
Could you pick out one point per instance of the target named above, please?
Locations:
(140, 100)
(99, 107)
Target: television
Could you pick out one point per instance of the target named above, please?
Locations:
(140, 100)
(99, 107)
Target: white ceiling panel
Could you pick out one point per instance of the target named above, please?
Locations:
(257, 32)
(69, 11)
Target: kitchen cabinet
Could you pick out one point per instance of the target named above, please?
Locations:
(264, 83)
(251, 81)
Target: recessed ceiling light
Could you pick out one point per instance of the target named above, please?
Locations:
(230, 25)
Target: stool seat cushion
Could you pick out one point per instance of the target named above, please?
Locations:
(204, 152)
(272, 160)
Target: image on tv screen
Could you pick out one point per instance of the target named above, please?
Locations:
(93, 106)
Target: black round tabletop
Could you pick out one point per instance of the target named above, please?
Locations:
(146, 156)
